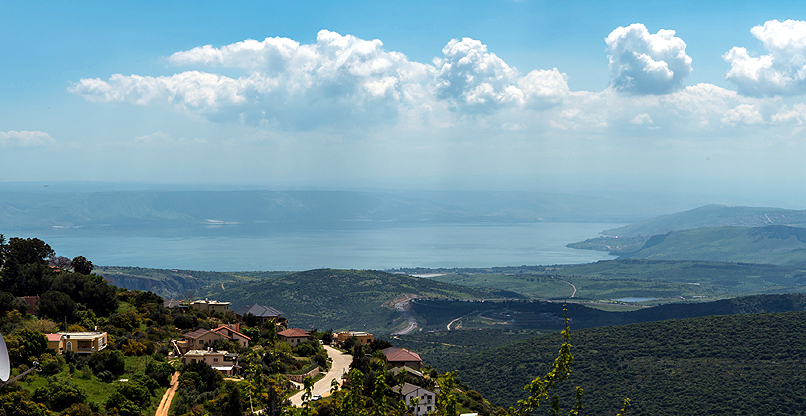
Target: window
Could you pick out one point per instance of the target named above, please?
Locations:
(215, 360)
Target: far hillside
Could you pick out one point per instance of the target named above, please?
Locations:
(344, 299)
(713, 216)
(625, 240)
(658, 281)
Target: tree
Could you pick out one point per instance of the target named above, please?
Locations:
(82, 265)
(57, 306)
(24, 344)
(27, 250)
(9, 302)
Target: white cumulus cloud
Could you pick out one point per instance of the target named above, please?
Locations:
(473, 79)
(645, 63)
(339, 79)
(337, 82)
(25, 139)
(746, 114)
(782, 71)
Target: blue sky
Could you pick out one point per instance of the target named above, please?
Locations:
(540, 95)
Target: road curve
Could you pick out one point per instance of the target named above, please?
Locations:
(401, 307)
(340, 365)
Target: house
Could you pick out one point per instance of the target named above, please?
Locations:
(262, 313)
(426, 399)
(198, 339)
(56, 342)
(210, 306)
(232, 332)
(363, 338)
(410, 372)
(223, 361)
(294, 336)
(400, 357)
(80, 342)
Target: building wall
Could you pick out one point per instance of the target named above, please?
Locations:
(204, 340)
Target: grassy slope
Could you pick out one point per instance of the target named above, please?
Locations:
(342, 299)
(97, 390)
(740, 364)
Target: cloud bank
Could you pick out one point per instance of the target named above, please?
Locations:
(345, 86)
(338, 80)
(782, 71)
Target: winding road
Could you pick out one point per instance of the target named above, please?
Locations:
(572, 285)
(340, 365)
(401, 307)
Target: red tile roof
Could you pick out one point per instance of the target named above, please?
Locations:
(54, 337)
(400, 355)
(294, 333)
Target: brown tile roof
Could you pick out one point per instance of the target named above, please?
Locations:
(227, 331)
(197, 333)
(294, 333)
(400, 355)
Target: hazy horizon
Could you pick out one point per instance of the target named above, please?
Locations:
(703, 98)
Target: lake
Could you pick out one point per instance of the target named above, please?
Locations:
(451, 245)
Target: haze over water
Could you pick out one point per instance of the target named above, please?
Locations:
(455, 245)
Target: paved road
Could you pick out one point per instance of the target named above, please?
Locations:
(401, 307)
(340, 365)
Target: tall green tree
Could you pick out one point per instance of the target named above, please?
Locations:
(82, 265)
(24, 265)
(57, 306)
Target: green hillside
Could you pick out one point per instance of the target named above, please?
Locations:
(773, 244)
(176, 284)
(548, 316)
(343, 299)
(712, 216)
(717, 365)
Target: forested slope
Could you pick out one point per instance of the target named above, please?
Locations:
(717, 365)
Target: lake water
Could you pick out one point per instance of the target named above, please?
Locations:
(453, 245)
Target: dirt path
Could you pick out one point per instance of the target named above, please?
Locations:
(167, 398)
(572, 285)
